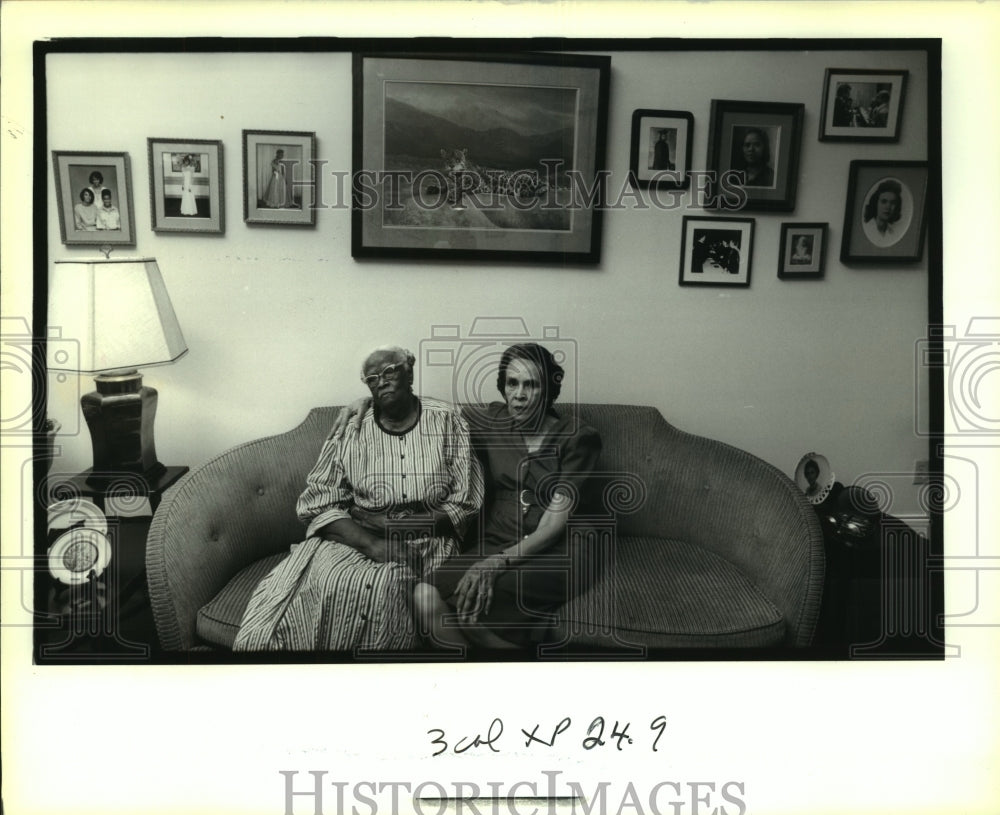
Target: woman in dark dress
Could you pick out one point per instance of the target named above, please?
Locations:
(539, 467)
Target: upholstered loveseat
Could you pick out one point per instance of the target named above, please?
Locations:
(709, 547)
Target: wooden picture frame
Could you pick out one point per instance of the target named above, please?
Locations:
(753, 155)
(108, 219)
(862, 105)
(716, 251)
(186, 186)
(660, 156)
(802, 253)
(885, 232)
(279, 177)
(447, 165)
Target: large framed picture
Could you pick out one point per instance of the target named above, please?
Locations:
(94, 198)
(661, 148)
(802, 255)
(479, 156)
(185, 185)
(279, 177)
(753, 155)
(886, 216)
(716, 251)
(860, 105)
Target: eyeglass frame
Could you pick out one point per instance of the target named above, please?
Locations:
(399, 369)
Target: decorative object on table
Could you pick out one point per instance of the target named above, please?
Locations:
(476, 157)
(716, 251)
(814, 477)
(753, 155)
(94, 198)
(886, 216)
(78, 553)
(121, 315)
(279, 177)
(862, 105)
(661, 148)
(185, 185)
(51, 429)
(802, 255)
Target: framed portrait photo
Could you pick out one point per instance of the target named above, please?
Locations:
(860, 105)
(886, 216)
(661, 148)
(802, 255)
(279, 177)
(478, 156)
(753, 155)
(716, 251)
(94, 198)
(185, 185)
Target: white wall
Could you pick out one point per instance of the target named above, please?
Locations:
(277, 319)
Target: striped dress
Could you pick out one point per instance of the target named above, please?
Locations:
(329, 596)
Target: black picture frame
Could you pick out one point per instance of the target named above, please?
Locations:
(853, 107)
(434, 181)
(173, 208)
(902, 240)
(73, 170)
(777, 128)
(647, 162)
(802, 252)
(290, 157)
(716, 251)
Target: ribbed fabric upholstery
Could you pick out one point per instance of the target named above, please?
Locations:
(219, 619)
(681, 494)
(669, 594)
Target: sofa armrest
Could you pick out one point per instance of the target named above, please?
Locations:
(220, 518)
(730, 502)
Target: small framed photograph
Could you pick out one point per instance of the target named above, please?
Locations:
(661, 148)
(716, 251)
(479, 156)
(279, 177)
(753, 155)
(185, 185)
(94, 198)
(860, 105)
(886, 216)
(803, 251)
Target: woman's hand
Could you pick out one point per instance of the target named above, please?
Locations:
(357, 409)
(474, 591)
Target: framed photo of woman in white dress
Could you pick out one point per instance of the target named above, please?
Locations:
(185, 185)
(279, 177)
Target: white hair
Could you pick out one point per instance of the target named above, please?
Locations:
(402, 353)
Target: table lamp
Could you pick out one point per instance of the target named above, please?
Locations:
(120, 314)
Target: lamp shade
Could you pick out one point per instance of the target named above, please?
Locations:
(117, 310)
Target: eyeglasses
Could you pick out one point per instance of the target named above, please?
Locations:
(389, 372)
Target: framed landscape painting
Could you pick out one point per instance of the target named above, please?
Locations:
(465, 156)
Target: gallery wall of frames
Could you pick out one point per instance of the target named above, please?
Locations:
(758, 270)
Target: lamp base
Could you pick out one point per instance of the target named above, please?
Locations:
(120, 415)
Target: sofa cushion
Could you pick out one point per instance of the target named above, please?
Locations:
(662, 593)
(219, 619)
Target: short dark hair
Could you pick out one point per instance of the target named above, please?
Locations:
(550, 370)
(87, 191)
(888, 185)
(765, 139)
(95, 175)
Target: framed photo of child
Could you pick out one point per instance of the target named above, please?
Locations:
(94, 198)
(803, 251)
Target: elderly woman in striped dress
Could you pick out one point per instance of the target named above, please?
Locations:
(385, 504)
